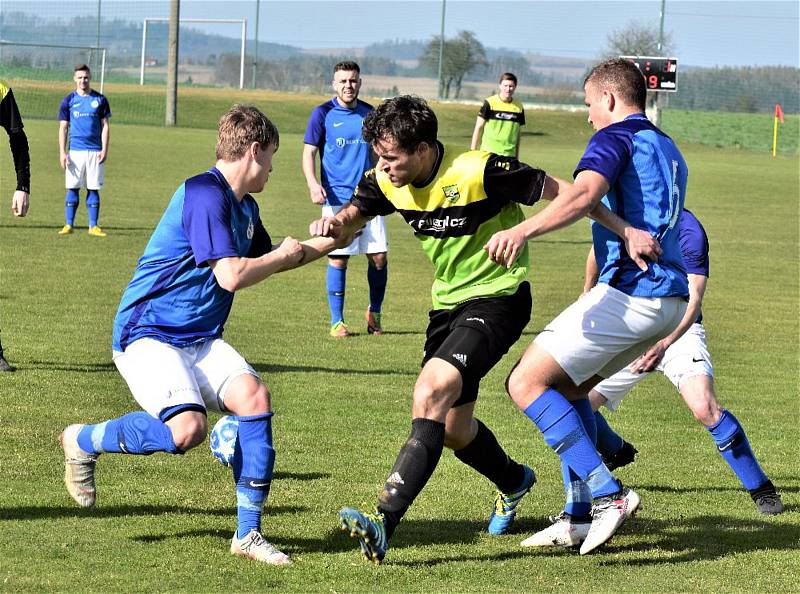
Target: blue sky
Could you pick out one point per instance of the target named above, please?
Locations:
(705, 33)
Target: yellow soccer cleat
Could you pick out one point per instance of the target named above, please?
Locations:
(339, 330)
(97, 231)
(65, 230)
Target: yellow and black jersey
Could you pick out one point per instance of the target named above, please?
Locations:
(503, 120)
(11, 120)
(469, 197)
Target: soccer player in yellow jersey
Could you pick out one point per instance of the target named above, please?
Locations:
(497, 129)
(454, 201)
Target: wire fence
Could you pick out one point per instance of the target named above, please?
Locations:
(42, 40)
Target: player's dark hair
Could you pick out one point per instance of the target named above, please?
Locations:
(508, 76)
(621, 77)
(241, 126)
(348, 65)
(82, 67)
(406, 119)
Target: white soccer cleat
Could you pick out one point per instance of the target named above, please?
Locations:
(608, 514)
(564, 532)
(78, 468)
(255, 547)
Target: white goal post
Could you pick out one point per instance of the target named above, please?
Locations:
(243, 22)
(90, 48)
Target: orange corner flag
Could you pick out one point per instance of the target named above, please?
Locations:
(778, 116)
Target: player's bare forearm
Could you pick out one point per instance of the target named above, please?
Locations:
(592, 271)
(236, 273)
(477, 133)
(313, 249)
(697, 289)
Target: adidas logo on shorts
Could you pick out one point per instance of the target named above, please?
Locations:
(461, 358)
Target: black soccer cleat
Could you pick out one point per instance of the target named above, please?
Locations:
(622, 457)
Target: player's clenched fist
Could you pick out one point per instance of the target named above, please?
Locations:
(292, 250)
(504, 247)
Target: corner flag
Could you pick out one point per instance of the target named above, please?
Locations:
(778, 116)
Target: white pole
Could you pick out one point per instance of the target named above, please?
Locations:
(102, 70)
(144, 44)
(241, 66)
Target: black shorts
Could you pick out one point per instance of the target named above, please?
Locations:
(474, 336)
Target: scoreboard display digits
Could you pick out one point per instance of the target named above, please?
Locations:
(660, 74)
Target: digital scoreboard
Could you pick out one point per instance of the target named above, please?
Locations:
(660, 74)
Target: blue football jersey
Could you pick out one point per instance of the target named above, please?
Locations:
(84, 114)
(344, 155)
(174, 296)
(646, 174)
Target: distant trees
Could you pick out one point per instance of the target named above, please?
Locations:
(462, 54)
(638, 39)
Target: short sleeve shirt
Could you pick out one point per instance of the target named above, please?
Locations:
(469, 197)
(84, 114)
(344, 155)
(174, 296)
(502, 128)
(646, 174)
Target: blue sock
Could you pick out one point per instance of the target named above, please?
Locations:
(732, 443)
(579, 496)
(134, 433)
(93, 207)
(71, 207)
(563, 431)
(377, 286)
(252, 470)
(608, 441)
(336, 280)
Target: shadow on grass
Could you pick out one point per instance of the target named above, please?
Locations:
(77, 230)
(702, 538)
(61, 366)
(669, 489)
(300, 476)
(53, 512)
(278, 368)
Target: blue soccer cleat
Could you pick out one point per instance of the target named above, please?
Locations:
(370, 531)
(505, 505)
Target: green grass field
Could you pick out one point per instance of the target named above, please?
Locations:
(342, 407)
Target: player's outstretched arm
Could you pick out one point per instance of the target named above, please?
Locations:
(572, 202)
(652, 357)
(347, 223)
(234, 274)
(638, 243)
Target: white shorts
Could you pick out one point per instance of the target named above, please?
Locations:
(84, 170)
(160, 375)
(371, 241)
(606, 329)
(688, 357)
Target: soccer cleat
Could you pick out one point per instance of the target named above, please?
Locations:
(255, 547)
(78, 468)
(373, 322)
(339, 330)
(505, 505)
(97, 231)
(370, 531)
(65, 230)
(5, 365)
(608, 514)
(769, 504)
(563, 532)
(621, 457)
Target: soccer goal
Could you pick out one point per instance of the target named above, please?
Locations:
(41, 73)
(242, 22)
